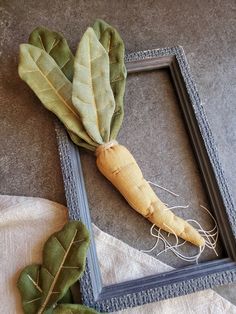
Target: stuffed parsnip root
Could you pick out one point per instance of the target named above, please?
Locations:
(118, 165)
(93, 114)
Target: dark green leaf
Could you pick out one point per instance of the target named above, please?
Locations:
(30, 289)
(55, 45)
(49, 311)
(64, 258)
(73, 309)
(67, 298)
(113, 44)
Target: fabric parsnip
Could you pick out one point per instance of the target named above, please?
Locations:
(64, 255)
(116, 163)
(94, 98)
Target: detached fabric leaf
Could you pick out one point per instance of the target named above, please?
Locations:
(67, 298)
(30, 290)
(114, 45)
(64, 255)
(73, 309)
(55, 45)
(39, 70)
(91, 94)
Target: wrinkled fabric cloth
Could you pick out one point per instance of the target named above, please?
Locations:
(26, 223)
(119, 262)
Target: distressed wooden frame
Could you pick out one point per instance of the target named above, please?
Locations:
(177, 282)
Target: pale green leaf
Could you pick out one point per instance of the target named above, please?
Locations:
(113, 44)
(73, 309)
(91, 94)
(55, 45)
(64, 255)
(42, 74)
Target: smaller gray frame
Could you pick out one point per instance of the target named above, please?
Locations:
(181, 281)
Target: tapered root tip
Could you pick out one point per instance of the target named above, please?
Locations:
(194, 237)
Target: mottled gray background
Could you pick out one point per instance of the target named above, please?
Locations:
(29, 163)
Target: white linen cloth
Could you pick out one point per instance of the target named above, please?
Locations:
(25, 225)
(119, 262)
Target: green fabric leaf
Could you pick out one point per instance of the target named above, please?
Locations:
(55, 45)
(30, 289)
(64, 256)
(113, 44)
(39, 70)
(78, 141)
(48, 311)
(67, 298)
(73, 309)
(91, 93)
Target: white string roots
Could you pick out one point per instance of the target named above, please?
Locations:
(163, 188)
(210, 236)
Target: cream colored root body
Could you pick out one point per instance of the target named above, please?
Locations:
(118, 165)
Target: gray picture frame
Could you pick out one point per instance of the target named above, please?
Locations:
(177, 282)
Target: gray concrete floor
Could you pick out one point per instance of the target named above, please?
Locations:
(29, 163)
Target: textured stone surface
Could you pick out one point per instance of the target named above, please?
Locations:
(29, 163)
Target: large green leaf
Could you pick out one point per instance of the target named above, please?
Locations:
(39, 70)
(113, 44)
(73, 309)
(64, 255)
(91, 93)
(55, 45)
